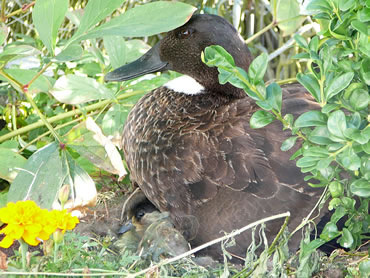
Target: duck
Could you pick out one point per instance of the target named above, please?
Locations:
(189, 146)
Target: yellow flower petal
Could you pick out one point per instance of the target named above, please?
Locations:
(6, 242)
(30, 238)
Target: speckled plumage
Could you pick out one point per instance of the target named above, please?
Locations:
(196, 156)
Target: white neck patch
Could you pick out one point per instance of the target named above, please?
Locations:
(186, 85)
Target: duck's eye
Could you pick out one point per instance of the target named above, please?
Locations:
(140, 214)
(183, 34)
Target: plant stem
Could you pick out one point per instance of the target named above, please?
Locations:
(21, 10)
(3, 10)
(56, 247)
(24, 249)
(66, 115)
(24, 89)
(269, 251)
(260, 32)
(38, 74)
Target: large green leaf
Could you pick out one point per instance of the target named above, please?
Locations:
(88, 140)
(74, 89)
(311, 84)
(47, 16)
(144, 20)
(41, 177)
(311, 118)
(258, 67)
(12, 52)
(116, 49)
(10, 163)
(72, 52)
(288, 11)
(337, 125)
(320, 136)
(94, 12)
(337, 84)
(114, 120)
(41, 84)
(361, 188)
(261, 118)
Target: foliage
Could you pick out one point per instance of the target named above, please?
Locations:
(335, 150)
(66, 71)
(52, 81)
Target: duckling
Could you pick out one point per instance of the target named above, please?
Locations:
(189, 146)
(149, 232)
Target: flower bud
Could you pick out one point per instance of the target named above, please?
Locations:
(64, 194)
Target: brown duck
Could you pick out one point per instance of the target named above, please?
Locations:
(189, 146)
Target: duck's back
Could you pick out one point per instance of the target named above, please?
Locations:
(197, 157)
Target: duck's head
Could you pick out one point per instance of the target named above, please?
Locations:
(180, 50)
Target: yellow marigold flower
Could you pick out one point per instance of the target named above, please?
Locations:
(64, 220)
(25, 220)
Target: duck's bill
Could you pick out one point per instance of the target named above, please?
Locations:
(148, 63)
(128, 226)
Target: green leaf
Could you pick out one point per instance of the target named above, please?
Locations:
(274, 96)
(301, 41)
(336, 189)
(329, 232)
(311, 118)
(345, 5)
(324, 163)
(288, 11)
(329, 107)
(364, 15)
(307, 161)
(16, 52)
(4, 30)
(319, 6)
(47, 17)
(10, 160)
(88, 140)
(258, 67)
(94, 12)
(320, 152)
(364, 45)
(310, 82)
(337, 125)
(337, 84)
(302, 55)
(364, 268)
(320, 136)
(116, 49)
(216, 55)
(360, 26)
(365, 71)
(355, 135)
(365, 167)
(346, 239)
(361, 188)
(349, 159)
(114, 120)
(359, 99)
(135, 49)
(144, 20)
(261, 118)
(355, 121)
(288, 143)
(35, 181)
(72, 52)
(41, 84)
(74, 89)
(314, 44)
